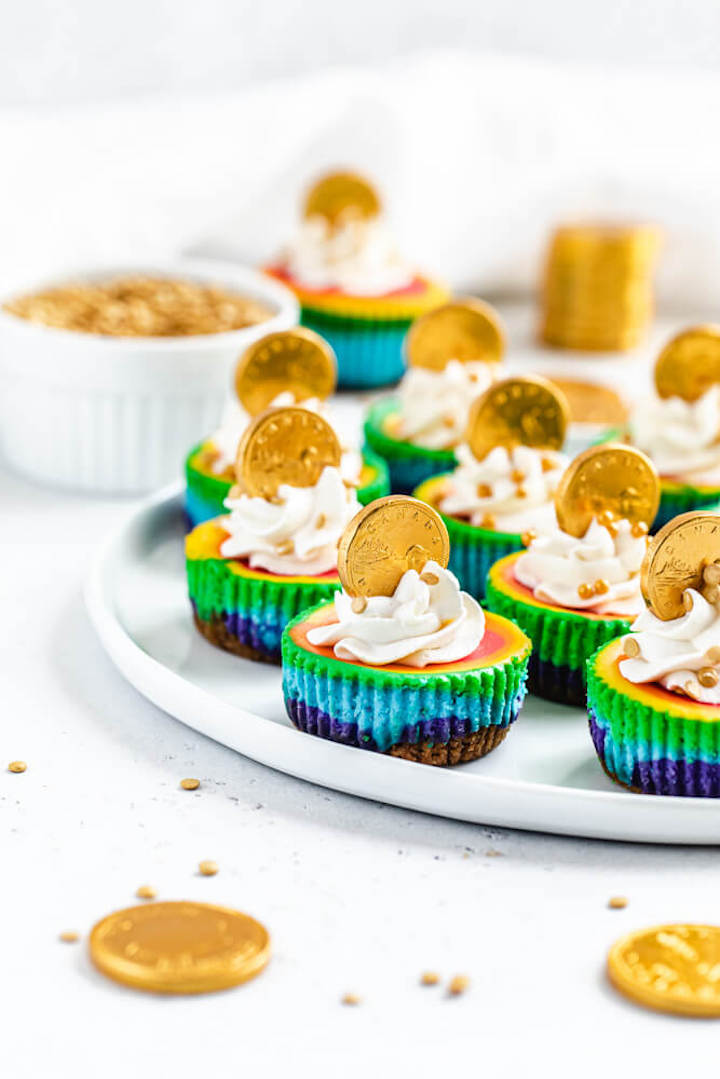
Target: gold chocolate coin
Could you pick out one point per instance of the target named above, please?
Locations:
(385, 539)
(612, 480)
(689, 364)
(672, 968)
(519, 411)
(591, 402)
(676, 559)
(180, 947)
(339, 195)
(467, 330)
(296, 361)
(285, 445)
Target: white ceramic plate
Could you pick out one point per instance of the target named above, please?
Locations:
(544, 777)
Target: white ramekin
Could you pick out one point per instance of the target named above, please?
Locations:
(119, 414)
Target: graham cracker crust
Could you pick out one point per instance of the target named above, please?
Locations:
(216, 632)
(456, 751)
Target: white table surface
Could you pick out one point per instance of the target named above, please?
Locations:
(358, 897)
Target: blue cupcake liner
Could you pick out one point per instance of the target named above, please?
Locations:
(369, 352)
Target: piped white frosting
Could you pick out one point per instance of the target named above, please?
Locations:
(434, 405)
(681, 437)
(556, 566)
(296, 535)
(672, 652)
(418, 625)
(357, 256)
(514, 488)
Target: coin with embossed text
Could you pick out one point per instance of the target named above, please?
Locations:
(520, 411)
(689, 364)
(612, 480)
(676, 559)
(467, 330)
(339, 195)
(285, 445)
(296, 361)
(179, 947)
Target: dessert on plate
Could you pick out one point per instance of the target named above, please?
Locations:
(453, 354)
(654, 695)
(274, 552)
(353, 286)
(578, 586)
(509, 467)
(679, 427)
(293, 367)
(402, 662)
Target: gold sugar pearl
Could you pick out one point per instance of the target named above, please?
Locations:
(189, 784)
(286, 547)
(687, 601)
(146, 891)
(17, 767)
(711, 574)
(713, 654)
(449, 421)
(517, 475)
(708, 677)
(458, 985)
(321, 521)
(429, 578)
(69, 936)
(601, 587)
(487, 521)
(638, 529)
(528, 537)
(351, 999)
(429, 977)
(617, 902)
(208, 868)
(711, 593)
(691, 687)
(547, 464)
(520, 492)
(358, 604)
(484, 490)
(631, 648)
(585, 591)
(605, 518)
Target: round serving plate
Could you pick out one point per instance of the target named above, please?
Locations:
(544, 777)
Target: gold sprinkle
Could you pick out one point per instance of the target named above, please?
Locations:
(711, 573)
(429, 578)
(448, 421)
(711, 592)
(605, 518)
(492, 853)
(208, 868)
(458, 985)
(638, 529)
(617, 902)
(585, 591)
(286, 547)
(429, 977)
(517, 475)
(321, 521)
(69, 936)
(713, 654)
(351, 999)
(520, 492)
(17, 766)
(708, 677)
(687, 601)
(484, 490)
(528, 537)
(601, 587)
(146, 891)
(358, 605)
(691, 687)
(631, 648)
(189, 784)
(487, 521)
(547, 464)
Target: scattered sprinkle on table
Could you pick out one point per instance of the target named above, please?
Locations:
(146, 891)
(69, 936)
(351, 999)
(617, 902)
(458, 985)
(429, 977)
(492, 853)
(189, 784)
(208, 868)
(17, 766)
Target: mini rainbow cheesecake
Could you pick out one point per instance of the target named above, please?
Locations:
(274, 552)
(578, 587)
(292, 367)
(453, 354)
(353, 287)
(403, 662)
(502, 489)
(654, 695)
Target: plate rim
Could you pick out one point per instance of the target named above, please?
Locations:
(448, 793)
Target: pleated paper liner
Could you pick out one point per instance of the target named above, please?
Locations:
(408, 465)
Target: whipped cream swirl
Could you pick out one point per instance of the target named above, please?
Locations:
(509, 490)
(597, 572)
(356, 256)
(434, 405)
(226, 439)
(673, 653)
(681, 437)
(427, 620)
(295, 535)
